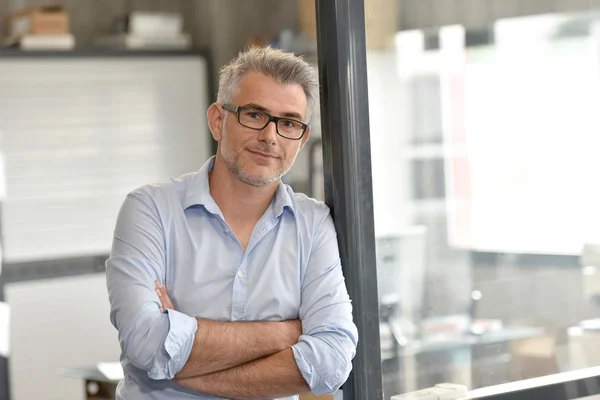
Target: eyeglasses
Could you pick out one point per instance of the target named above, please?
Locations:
(258, 120)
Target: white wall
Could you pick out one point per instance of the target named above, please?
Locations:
(55, 324)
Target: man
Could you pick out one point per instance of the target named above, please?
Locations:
(259, 304)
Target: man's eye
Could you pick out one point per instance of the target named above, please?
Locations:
(253, 115)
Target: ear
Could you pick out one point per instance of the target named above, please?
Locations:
(216, 116)
(305, 137)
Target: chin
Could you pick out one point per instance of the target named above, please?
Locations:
(258, 179)
(258, 182)
(259, 171)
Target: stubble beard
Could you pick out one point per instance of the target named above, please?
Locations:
(232, 159)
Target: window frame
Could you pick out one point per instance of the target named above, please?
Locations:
(341, 47)
(347, 172)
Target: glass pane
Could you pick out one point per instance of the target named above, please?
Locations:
(484, 162)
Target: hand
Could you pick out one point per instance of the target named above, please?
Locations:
(163, 296)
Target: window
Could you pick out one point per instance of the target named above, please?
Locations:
(486, 216)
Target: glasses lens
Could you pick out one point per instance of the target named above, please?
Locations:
(253, 119)
(290, 128)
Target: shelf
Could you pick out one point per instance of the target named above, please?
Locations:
(100, 52)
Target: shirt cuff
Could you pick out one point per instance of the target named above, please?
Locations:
(306, 369)
(317, 367)
(178, 344)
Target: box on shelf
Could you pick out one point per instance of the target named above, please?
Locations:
(143, 23)
(46, 42)
(141, 30)
(145, 42)
(39, 20)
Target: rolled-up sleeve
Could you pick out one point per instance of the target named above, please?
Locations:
(158, 343)
(325, 351)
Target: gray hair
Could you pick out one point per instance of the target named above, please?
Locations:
(284, 68)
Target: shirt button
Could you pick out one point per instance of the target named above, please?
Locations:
(226, 231)
(240, 274)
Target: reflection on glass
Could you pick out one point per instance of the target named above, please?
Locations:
(486, 208)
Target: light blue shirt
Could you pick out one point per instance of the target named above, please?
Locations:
(175, 233)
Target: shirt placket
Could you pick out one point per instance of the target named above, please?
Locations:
(240, 284)
(240, 291)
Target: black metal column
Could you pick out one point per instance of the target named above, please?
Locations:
(348, 180)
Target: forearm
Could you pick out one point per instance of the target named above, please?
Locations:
(223, 345)
(273, 376)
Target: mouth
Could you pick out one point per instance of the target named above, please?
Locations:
(261, 154)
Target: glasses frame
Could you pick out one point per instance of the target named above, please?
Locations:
(238, 109)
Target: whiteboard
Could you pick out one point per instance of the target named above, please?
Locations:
(79, 133)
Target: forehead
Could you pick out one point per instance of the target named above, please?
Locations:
(278, 98)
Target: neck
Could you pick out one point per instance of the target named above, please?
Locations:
(238, 201)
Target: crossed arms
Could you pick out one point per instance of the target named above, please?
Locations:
(228, 359)
(255, 356)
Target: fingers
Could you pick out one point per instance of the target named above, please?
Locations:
(163, 296)
(158, 288)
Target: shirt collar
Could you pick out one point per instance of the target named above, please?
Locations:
(198, 193)
(198, 190)
(283, 200)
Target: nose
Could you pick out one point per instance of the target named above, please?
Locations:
(269, 133)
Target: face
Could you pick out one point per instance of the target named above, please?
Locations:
(259, 158)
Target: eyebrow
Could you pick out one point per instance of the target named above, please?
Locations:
(288, 114)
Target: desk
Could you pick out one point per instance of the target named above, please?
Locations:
(472, 360)
(96, 385)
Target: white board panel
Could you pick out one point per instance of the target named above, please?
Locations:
(79, 133)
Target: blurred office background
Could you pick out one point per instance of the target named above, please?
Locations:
(484, 133)
(483, 120)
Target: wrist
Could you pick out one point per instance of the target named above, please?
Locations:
(195, 383)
